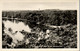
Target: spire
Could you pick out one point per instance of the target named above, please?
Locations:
(39, 8)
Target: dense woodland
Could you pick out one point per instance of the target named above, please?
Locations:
(63, 37)
(52, 17)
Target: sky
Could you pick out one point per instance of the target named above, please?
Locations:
(39, 5)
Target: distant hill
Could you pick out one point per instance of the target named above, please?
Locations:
(49, 16)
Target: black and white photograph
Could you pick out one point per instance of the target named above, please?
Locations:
(39, 25)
